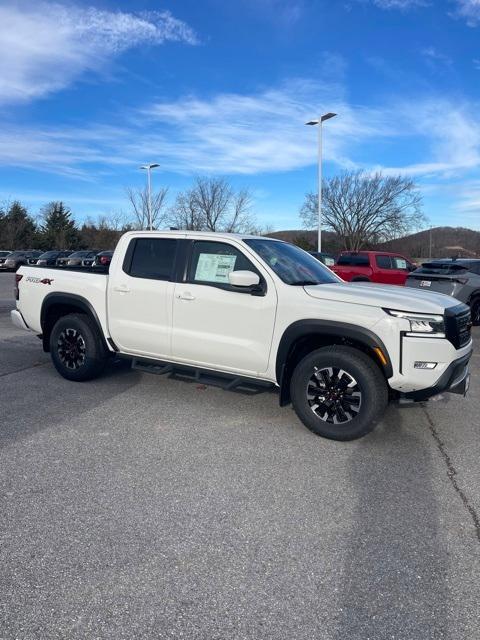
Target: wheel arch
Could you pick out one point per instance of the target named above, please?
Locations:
(57, 305)
(304, 336)
(474, 295)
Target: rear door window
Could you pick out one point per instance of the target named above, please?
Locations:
(152, 258)
(384, 262)
(357, 260)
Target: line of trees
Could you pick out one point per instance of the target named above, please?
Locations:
(358, 208)
(210, 204)
(54, 228)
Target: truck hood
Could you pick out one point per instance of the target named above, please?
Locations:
(389, 296)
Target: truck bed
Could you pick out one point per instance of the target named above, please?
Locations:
(36, 283)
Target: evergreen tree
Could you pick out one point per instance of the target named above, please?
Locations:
(58, 230)
(17, 228)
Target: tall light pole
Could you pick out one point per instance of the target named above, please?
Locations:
(149, 168)
(319, 122)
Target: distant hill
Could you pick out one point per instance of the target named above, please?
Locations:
(445, 242)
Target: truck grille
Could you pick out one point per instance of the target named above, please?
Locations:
(458, 325)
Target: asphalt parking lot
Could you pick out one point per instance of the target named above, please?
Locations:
(137, 506)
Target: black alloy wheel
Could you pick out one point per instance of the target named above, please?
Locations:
(334, 395)
(71, 348)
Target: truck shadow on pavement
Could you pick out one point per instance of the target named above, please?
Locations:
(48, 399)
(395, 573)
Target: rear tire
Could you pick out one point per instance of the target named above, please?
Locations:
(360, 279)
(338, 392)
(475, 310)
(76, 348)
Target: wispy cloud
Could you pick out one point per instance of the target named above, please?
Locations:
(45, 46)
(450, 133)
(469, 10)
(282, 12)
(403, 5)
(257, 133)
(436, 59)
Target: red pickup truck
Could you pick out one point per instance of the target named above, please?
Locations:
(373, 266)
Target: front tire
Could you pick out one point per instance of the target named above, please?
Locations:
(338, 392)
(76, 348)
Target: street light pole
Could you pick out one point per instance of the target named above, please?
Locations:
(320, 122)
(149, 168)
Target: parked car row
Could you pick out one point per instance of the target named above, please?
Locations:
(89, 258)
(15, 259)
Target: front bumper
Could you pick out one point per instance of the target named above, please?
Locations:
(18, 321)
(455, 379)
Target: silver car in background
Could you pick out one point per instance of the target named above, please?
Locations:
(456, 277)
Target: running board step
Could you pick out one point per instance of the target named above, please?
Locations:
(248, 386)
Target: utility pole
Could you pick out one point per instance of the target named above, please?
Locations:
(320, 122)
(149, 168)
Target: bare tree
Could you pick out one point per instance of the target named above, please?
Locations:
(364, 209)
(241, 220)
(185, 213)
(213, 199)
(138, 199)
(213, 205)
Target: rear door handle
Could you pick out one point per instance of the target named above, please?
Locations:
(185, 296)
(121, 288)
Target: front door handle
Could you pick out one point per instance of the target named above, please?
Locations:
(185, 296)
(121, 288)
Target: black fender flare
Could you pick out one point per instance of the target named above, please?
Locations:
(343, 331)
(68, 299)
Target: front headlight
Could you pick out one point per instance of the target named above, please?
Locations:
(421, 323)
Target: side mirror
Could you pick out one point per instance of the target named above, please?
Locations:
(243, 278)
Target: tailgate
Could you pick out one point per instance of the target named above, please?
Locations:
(449, 285)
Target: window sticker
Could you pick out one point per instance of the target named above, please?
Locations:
(400, 263)
(212, 267)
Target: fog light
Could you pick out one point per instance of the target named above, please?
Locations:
(425, 365)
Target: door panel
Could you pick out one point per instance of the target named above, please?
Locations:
(140, 298)
(213, 324)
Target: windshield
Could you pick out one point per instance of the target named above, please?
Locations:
(291, 264)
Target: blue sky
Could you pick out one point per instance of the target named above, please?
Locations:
(88, 92)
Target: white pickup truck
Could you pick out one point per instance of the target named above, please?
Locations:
(245, 312)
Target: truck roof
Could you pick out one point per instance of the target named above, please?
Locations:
(213, 234)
